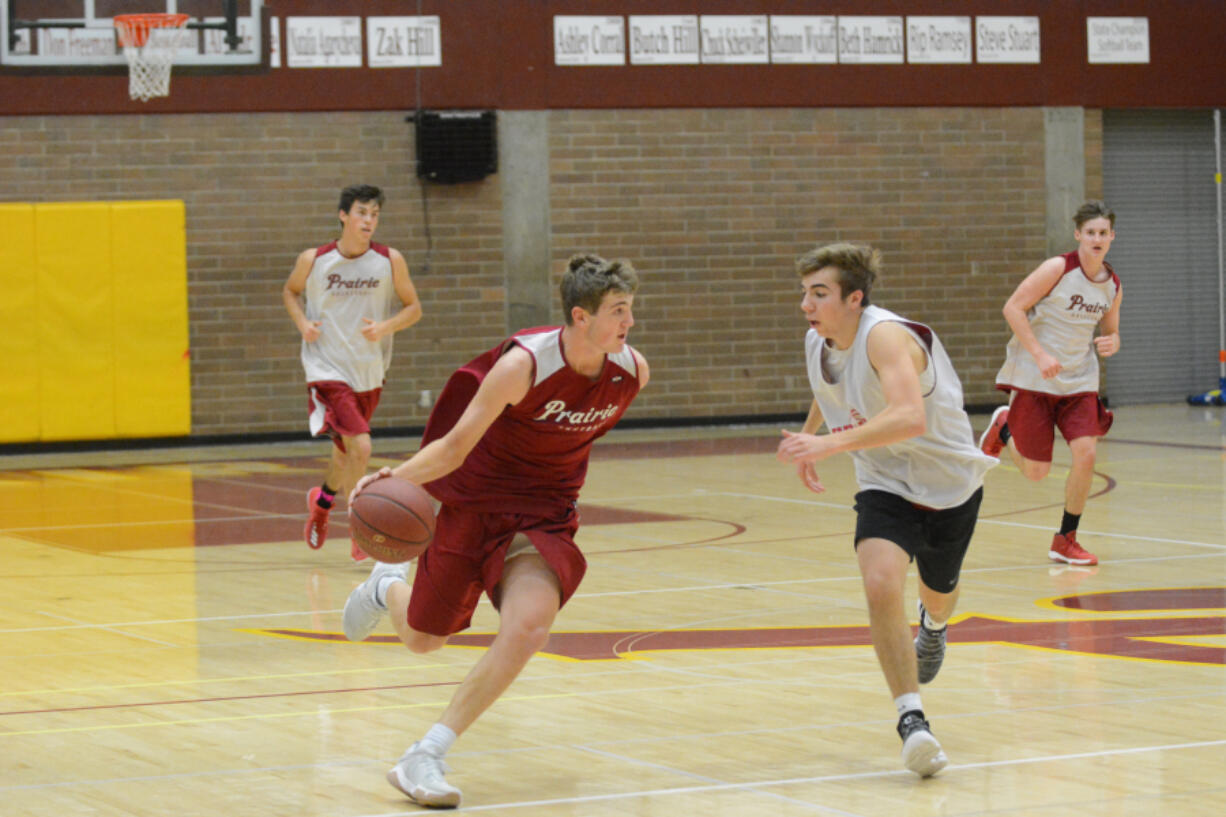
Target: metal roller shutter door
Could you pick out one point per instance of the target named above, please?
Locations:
(1158, 177)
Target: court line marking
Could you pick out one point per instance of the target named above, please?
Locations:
(638, 591)
(112, 629)
(795, 781)
(989, 521)
(632, 761)
(160, 622)
(392, 707)
(229, 679)
(1098, 702)
(311, 713)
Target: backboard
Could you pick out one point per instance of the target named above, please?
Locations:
(80, 35)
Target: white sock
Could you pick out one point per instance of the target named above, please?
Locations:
(908, 702)
(438, 740)
(381, 589)
(931, 623)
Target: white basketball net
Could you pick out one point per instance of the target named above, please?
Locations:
(150, 49)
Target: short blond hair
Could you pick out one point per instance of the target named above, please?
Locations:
(858, 266)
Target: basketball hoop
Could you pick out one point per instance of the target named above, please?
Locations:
(149, 42)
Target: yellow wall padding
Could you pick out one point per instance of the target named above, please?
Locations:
(19, 419)
(95, 321)
(152, 371)
(76, 331)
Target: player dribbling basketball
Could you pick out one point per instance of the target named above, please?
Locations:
(505, 451)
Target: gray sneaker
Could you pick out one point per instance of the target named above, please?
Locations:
(929, 649)
(419, 774)
(921, 753)
(362, 610)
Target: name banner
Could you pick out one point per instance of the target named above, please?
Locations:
(1117, 40)
(802, 39)
(734, 39)
(664, 39)
(403, 42)
(589, 40)
(1007, 39)
(865, 40)
(938, 40)
(323, 42)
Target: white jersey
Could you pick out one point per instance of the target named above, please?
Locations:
(942, 467)
(340, 291)
(1063, 322)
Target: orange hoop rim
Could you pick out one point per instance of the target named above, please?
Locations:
(134, 28)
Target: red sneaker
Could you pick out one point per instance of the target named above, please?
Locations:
(990, 443)
(1064, 548)
(316, 530)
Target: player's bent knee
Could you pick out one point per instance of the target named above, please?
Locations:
(1084, 451)
(359, 450)
(525, 637)
(421, 643)
(1035, 471)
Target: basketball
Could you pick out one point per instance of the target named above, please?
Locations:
(392, 520)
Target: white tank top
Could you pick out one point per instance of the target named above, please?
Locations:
(940, 468)
(340, 292)
(1063, 322)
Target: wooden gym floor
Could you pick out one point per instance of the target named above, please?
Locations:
(169, 646)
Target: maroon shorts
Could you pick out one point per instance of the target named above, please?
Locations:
(338, 411)
(467, 557)
(1034, 416)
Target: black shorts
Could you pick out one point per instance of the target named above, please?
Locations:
(935, 539)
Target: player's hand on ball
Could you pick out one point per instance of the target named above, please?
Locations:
(366, 480)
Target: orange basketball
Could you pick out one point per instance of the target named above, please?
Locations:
(392, 520)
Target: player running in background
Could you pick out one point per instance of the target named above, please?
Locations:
(1051, 368)
(357, 294)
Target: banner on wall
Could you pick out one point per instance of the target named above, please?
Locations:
(734, 39)
(664, 39)
(804, 39)
(1007, 39)
(323, 42)
(870, 40)
(588, 40)
(1117, 40)
(403, 42)
(938, 40)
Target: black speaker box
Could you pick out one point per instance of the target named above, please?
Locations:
(456, 146)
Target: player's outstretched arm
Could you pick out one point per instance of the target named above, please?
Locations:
(505, 385)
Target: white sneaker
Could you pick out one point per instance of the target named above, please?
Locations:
(362, 609)
(419, 774)
(921, 753)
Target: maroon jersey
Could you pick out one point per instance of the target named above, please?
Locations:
(533, 458)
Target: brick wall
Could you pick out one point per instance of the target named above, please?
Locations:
(714, 206)
(711, 205)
